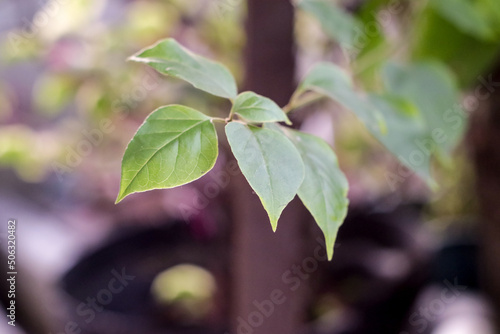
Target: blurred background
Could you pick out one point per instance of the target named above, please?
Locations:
(202, 258)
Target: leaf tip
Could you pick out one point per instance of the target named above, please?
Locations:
(122, 193)
(330, 248)
(120, 197)
(329, 253)
(274, 223)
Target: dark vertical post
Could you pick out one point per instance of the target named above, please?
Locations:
(261, 257)
(484, 135)
(270, 61)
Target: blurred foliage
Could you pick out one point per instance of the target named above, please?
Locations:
(53, 92)
(460, 34)
(456, 197)
(186, 290)
(74, 57)
(449, 30)
(28, 152)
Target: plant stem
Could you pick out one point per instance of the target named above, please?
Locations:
(230, 117)
(295, 103)
(219, 120)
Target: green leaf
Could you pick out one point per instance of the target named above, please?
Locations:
(432, 89)
(337, 23)
(170, 58)
(465, 15)
(270, 163)
(324, 189)
(174, 146)
(254, 108)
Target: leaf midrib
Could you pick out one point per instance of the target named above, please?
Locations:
(266, 166)
(159, 149)
(198, 71)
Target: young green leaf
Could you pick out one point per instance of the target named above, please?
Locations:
(174, 146)
(324, 189)
(337, 23)
(170, 58)
(255, 108)
(270, 163)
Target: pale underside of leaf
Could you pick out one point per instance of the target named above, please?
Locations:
(324, 189)
(270, 163)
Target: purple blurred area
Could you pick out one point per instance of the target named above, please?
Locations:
(161, 261)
